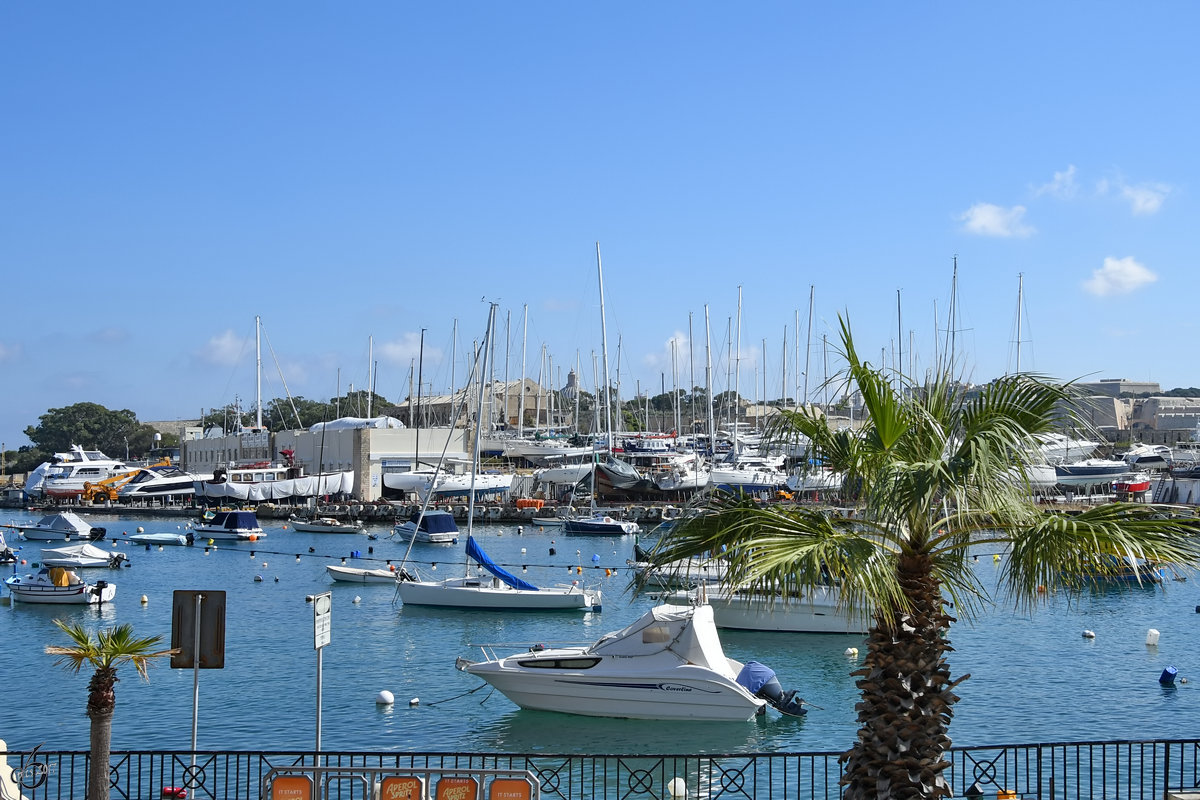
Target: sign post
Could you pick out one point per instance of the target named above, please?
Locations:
(322, 625)
(198, 636)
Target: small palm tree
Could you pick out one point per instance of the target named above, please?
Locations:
(107, 650)
(929, 474)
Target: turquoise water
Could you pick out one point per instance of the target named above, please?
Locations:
(1034, 677)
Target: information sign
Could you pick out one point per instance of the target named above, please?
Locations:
(322, 619)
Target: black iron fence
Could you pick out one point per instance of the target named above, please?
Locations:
(1121, 770)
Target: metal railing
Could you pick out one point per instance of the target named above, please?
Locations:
(1116, 770)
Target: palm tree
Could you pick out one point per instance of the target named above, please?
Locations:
(107, 650)
(929, 474)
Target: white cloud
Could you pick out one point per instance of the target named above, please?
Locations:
(9, 352)
(1145, 199)
(407, 349)
(1062, 186)
(1118, 276)
(661, 362)
(224, 350)
(987, 219)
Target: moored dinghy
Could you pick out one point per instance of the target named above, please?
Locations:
(56, 585)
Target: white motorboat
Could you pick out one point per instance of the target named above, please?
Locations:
(430, 526)
(500, 591)
(82, 555)
(56, 585)
(159, 482)
(59, 528)
(236, 525)
(174, 539)
(816, 610)
(669, 664)
(361, 575)
(326, 525)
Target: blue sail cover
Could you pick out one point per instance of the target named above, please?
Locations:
(476, 552)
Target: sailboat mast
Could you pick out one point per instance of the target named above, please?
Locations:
(257, 372)
(1020, 303)
(604, 353)
(808, 342)
(521, 401)
(483, 354)
(416, 421)
(712, 440)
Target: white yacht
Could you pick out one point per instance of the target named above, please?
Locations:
(65, 477)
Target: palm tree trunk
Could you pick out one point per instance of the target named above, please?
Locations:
(101, 703)
(907, 700)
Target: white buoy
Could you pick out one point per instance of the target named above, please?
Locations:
(677, 787)
(141, 529)
(357, 599)
(145, 599)
(1152, 638)
(385, 698)
(416, 701)
(1089, 634)
(851, 651)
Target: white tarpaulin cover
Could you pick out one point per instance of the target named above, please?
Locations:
(350, 423)
(308, 486)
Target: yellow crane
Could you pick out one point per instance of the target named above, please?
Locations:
(107, 488)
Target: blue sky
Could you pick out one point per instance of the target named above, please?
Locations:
(356, 173)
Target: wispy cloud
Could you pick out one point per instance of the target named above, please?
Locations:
(1062, 186)
(662, 360)
(1147, 198)
(406, 349)
(987, 219)
(1144, 198)
(224, 350)
(1118, 276)
(9, 352)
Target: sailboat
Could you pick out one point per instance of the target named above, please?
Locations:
(597, 523)
(496, 588)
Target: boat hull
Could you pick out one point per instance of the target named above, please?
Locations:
(682, 693)
(27, 589)
(358, 575)
(483, 593)
(317, 527)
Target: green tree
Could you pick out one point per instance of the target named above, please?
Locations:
(105, 652)
(930, 474)
(91, 425)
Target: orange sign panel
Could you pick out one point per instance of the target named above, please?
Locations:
(453, 788)
(510, 789)
(292, 787)
(401, 787)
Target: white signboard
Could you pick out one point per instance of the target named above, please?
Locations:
(322, 619)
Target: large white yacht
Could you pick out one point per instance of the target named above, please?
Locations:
(68, 472)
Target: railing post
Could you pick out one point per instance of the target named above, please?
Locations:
(1166, 769)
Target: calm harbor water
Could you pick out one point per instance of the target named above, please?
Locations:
(1034, 677)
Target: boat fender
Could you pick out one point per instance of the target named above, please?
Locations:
(174, 791)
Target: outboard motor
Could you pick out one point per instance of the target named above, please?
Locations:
(95, 534)
(760, 680)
